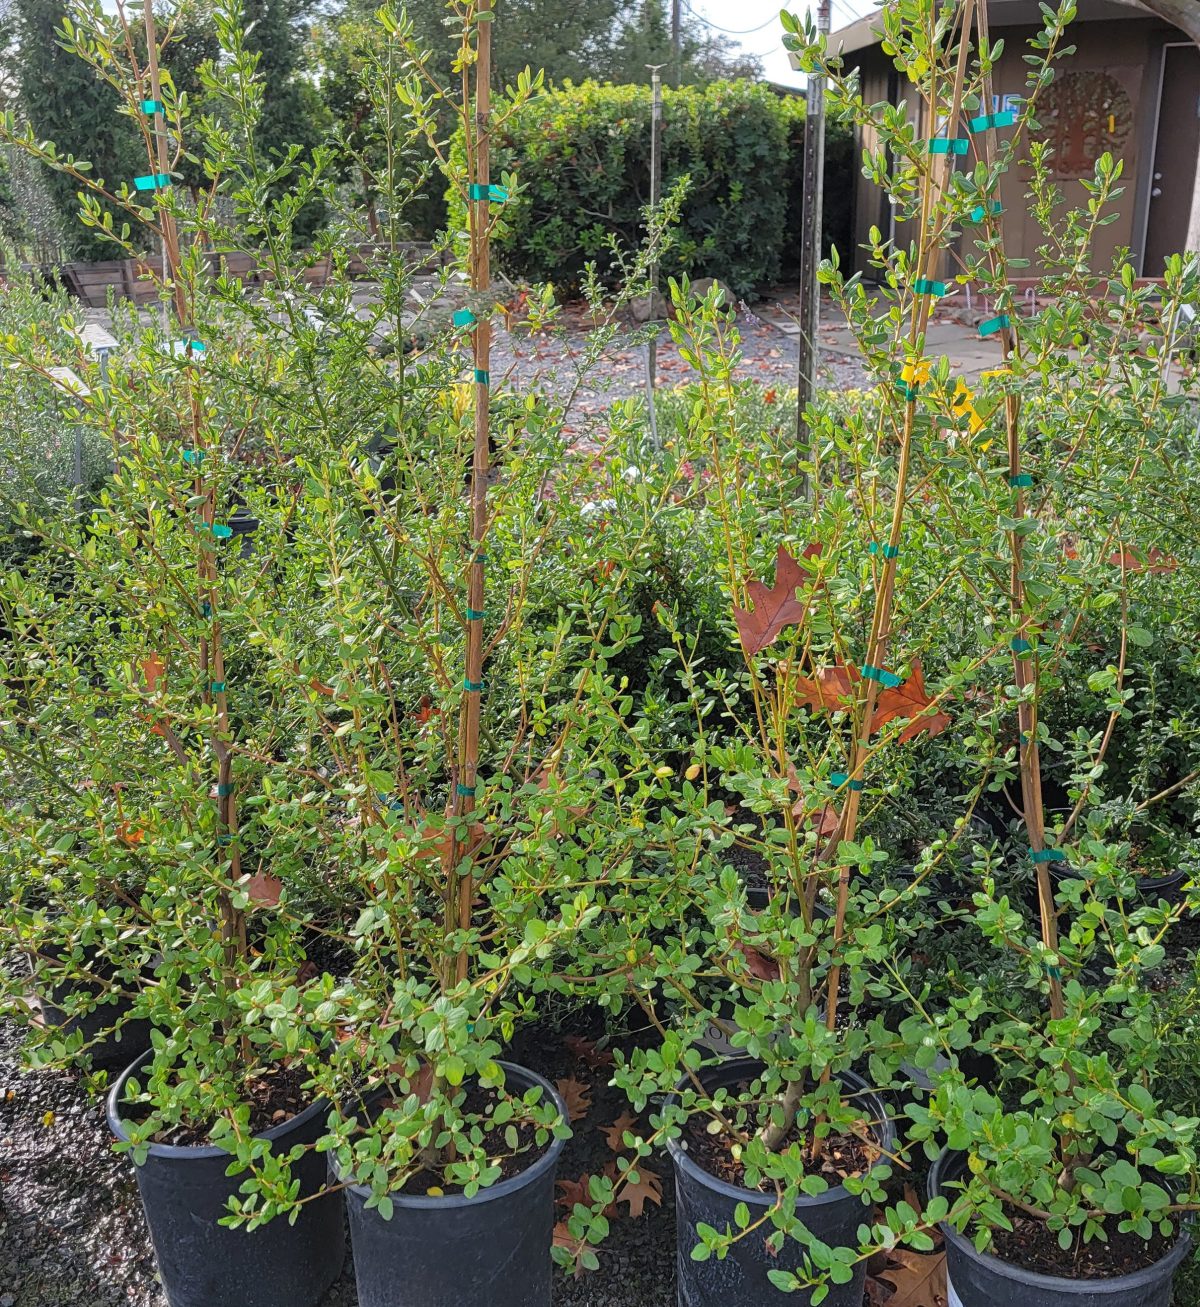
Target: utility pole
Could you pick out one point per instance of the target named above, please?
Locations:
(655, 196)
(676, 42)
(810, 244)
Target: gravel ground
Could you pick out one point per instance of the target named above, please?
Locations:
(72, 1232)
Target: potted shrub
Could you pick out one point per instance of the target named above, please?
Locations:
(1067, 1178)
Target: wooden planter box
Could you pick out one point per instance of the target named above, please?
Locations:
(131, 279)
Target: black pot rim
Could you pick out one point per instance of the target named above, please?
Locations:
(683, 1161)
(1116, 1284)
(194, 1152)
(426, 1202)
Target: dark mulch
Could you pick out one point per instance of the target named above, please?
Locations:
(1035, 1247)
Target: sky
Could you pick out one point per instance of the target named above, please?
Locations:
(767, 41)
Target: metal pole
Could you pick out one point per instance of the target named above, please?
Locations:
(655, 196)
(810, 246)
(676, 42)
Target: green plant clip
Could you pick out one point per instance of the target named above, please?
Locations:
(154, 181)
(474, 614)
(483, 191)
(909, 392)
(840, 778)
(224, 839)
(465, 791)
(1021, 479)
(464, 318)
(224, 791)
(1055, 973)
(993, 208)
(218, 687)
(1046, 855)
(888, 551)
(473, 687)
(948, 145)
(923, 286)
(993, 325)
(889, 680)
(193, 456)
(205, 608)
(151, 107)
(1005, 118)
(482, 378)
(1020, 646)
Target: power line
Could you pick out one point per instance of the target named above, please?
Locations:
(729, 31)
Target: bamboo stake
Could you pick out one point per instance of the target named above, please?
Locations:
(928, 261)
(1025, 676)
(211, 653)
(463, 800)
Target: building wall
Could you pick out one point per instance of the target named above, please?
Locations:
(1108, 98)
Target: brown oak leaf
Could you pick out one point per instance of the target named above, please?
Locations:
(264, 889)
(574, 1191)
(153, 669)
(775, 608)
(760, 965)
(585, 1051)
(909, 700)
(830, 689)
(914, 1279)
(614, 1135)
(576, 1095)
(647, 1189)
(563, 1238)
(1155, 562)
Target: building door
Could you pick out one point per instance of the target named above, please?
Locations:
(1173, 181)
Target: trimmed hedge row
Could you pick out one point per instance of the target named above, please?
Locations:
(582, 155)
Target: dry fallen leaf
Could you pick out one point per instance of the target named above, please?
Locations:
(614, 1135)
(648, 1187)
(585, 1051)
(576, 1095)
(563, 1238)
(830, 689)
(574, 1191)
(264, 889)
(915, 1279)
(776, 608)
(909, 700)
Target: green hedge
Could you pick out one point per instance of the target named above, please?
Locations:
(582, 154)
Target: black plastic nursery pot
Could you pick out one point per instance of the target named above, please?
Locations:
(976, 1279)
(202, 1263)
(453, 1251)
(108, 1050)
(740, 1279)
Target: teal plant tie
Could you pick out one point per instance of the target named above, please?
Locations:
(464, 318)
(205, 608)
(483, 191)
(923, 286)
(193, 456)
(222, 532)
(948, 145)
(465, 791)
(224, 791)
(479, 557)
(840, 778)
(1021, 479)
(1006, 118)
(909, 392)
(889, 680)
(154, 181)
(1020, 647)
(888, 551)
(474, 614)
(482, 378)
(1046, 855)
(1055, 973)
(218, 687)
(993, 208)
(993, 325)
(151, 107)
(224, 839)
(472, 687)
